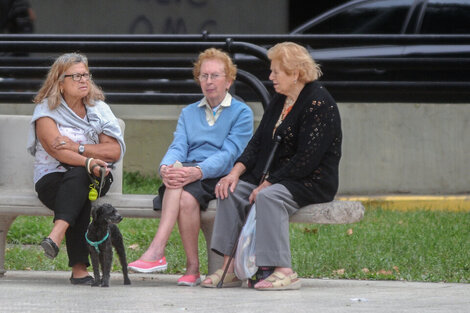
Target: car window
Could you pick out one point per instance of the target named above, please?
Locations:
(446, 17)
(373, 17)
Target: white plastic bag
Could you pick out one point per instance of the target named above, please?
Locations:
(244, 261)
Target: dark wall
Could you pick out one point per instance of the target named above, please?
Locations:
(161, 16)
(301, 11)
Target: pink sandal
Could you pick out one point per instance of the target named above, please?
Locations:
(148, 266)
(189, 280)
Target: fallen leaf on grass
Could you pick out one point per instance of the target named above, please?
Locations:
(365, 270)
(134, 246)
(384, 272)
(349, 232)
(339, 272)
(312, 231)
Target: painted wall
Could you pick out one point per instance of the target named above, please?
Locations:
(388, 148)
(160, 16)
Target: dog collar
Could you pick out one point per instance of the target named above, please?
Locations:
(96, 243)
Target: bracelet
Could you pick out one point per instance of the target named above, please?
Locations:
(87, 165)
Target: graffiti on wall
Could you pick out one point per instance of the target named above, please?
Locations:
(170, 24)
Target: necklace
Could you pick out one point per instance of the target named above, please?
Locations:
(288, 105)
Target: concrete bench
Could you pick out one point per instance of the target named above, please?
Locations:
(17, 195)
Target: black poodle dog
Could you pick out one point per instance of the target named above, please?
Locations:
(102, 234)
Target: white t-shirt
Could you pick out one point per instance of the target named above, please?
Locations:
(45, 164)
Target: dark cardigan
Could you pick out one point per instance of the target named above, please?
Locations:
(307, 159)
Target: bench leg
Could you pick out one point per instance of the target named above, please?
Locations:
(5, 223)
(214, 261)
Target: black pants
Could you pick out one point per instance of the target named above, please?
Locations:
(67, 195)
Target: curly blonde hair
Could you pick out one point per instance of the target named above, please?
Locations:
(291, 57)
(51, 87)
(213, 53)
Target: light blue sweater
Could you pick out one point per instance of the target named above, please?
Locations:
(214, 148)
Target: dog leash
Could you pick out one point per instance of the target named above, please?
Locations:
(96, 243)
(95, 184)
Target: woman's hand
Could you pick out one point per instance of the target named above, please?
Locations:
(64, 143)
(255, 191)
(95, 170)
(107, 149)
(225, 183)
(174, 177)
(230, 181)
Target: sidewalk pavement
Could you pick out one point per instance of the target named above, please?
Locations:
(36, 291)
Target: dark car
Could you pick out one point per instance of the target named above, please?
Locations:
(392, 17)
(399, 50)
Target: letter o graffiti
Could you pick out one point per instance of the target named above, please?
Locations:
(141, 21)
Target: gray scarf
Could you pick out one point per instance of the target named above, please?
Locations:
(100, 120)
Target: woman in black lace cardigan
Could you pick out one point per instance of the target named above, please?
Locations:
(304, 170)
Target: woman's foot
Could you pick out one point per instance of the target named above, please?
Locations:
(280, 279)
(87, 280)
(230, 280)
(191, 277)
(79, 270)
(51, 249)
(51, 243)
(142, 266)
(80, 275)
(190, 280)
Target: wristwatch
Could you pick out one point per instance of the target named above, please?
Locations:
(81, 149)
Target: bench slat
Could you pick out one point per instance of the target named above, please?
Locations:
(140, 206)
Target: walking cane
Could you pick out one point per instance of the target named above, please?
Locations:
(277, 140)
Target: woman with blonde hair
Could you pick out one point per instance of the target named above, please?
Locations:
(304, 169)
(73, 133)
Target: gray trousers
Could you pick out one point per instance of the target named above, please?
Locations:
(274, 205)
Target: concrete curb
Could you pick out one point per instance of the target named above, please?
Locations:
(454, 203)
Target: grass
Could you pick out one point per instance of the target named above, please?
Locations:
(414, 246)
(418, 245)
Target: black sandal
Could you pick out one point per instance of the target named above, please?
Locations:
(50, 248)
(87, 280)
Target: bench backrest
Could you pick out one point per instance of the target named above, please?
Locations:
(16, 164)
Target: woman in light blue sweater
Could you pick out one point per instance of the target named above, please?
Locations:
(210, 135)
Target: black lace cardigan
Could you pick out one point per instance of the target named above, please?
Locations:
(307, 159)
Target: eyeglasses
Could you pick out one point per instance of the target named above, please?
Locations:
(214, 76)
(78, 77)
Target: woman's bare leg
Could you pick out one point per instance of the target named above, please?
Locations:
(79, 270)
(57, 235)
(189, 223)
(170, 211)
(58, 231)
